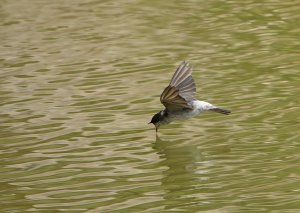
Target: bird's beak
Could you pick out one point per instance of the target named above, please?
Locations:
(156, 127)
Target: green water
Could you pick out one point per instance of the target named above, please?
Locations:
(80, 80)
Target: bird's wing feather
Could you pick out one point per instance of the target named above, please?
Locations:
(181, 89)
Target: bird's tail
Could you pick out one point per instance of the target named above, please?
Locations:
(220, 110)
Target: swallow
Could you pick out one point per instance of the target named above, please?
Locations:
(179, 99)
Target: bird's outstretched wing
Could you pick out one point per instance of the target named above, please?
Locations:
(181, 89)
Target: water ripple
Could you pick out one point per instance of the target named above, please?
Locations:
(79, 83)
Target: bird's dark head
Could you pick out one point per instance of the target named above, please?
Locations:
(156, 119)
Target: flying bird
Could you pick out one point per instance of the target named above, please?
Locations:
(179, 99)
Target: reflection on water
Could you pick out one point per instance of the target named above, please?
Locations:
(79, 81)
(183, 174)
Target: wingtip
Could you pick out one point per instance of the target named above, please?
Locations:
(185, 62)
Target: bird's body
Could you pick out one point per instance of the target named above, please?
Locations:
(178, 99)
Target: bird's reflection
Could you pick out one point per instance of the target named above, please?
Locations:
(181, 179)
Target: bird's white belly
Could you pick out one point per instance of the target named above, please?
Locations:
(198, 107)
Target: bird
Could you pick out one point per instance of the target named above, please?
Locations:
(179, 99)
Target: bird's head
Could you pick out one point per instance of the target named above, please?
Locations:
(156, 119)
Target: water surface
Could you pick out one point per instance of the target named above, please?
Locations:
(80, 80)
